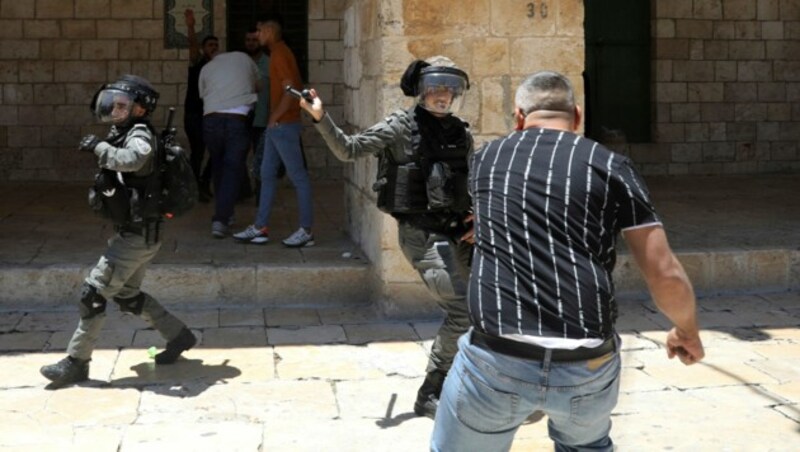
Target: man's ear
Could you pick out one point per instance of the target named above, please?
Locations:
(138, 110)
(576, 123)
(519, 119)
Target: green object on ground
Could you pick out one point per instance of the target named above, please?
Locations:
(151, 352)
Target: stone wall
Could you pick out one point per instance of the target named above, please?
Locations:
(56, 53)
(727, 87)
(496, 41)
(325, 69)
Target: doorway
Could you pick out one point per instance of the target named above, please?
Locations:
(617, 75)
(242, 15)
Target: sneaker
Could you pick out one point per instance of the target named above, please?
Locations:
(219, 229)
(253, 234)
(184, 341)
(299, 238)
(65, 372)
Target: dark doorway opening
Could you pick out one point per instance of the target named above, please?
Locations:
(617, 75)
(242, 15)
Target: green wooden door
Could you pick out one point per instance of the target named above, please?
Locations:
(617, 76)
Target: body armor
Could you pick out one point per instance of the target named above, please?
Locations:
(129, 199)
(433, 179)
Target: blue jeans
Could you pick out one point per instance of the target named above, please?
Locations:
(282, 144)
(228, 140)
(487, 396)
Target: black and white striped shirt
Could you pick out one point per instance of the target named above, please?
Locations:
(548, 208)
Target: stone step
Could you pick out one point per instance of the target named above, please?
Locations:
(722, 272)
(733, 235)
(310, 285)
(350, 282)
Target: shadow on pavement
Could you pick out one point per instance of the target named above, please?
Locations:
(184, 378)
(389, 421)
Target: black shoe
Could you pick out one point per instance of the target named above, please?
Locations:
(184, 341)
(428, 394)
(65, 372)
(426, 406)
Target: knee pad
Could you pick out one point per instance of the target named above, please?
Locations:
(91, 303)
(132, 305)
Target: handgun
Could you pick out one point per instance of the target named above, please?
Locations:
(305, 94)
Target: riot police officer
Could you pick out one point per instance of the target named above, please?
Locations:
(422, 182)
(127, 192)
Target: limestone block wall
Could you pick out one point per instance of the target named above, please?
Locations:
(498, 42)
(56, 53)
(726, 87)
(325, 74)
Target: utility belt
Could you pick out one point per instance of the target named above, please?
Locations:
(450, 224)
(534, 352)
(151, 230)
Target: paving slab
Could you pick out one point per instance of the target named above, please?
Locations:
(345, 379)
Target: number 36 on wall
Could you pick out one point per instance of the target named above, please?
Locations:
(531, 8)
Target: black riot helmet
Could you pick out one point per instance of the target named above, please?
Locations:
(437, 83)
(113, 102)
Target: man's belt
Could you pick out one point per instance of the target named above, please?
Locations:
(534, 352)
(229, 115)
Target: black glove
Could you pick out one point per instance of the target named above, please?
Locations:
(88, 143)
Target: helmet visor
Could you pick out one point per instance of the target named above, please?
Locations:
(442, 92)
(112, 106)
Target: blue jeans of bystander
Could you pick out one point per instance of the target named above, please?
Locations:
(487, 396)
(282, 144)
(228, 139)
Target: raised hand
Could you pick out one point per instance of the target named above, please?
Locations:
(88, 143)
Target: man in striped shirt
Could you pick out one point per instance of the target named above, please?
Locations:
(549, 205)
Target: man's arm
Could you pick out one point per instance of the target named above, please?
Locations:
(194, 46)
(283, 105)
(671, 290)
(131, 156)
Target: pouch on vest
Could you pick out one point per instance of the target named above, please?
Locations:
(109, 197)
(438, 186)
(402, 189)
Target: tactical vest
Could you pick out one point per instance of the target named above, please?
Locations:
(434, 179)
(129, 200)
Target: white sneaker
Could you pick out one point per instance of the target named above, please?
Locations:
(253, 235)
(299, 239)
(218, 229)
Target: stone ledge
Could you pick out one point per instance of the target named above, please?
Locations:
(265, 285)
(722, 272)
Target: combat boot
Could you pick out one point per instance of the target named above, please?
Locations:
(67, 371)
(184, 341)
(428, 394)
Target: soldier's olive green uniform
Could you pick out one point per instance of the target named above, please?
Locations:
(440, 259)
(119, 273)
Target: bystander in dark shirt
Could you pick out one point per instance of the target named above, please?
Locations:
(544, 250)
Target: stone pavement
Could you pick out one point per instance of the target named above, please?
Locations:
(344, 379)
